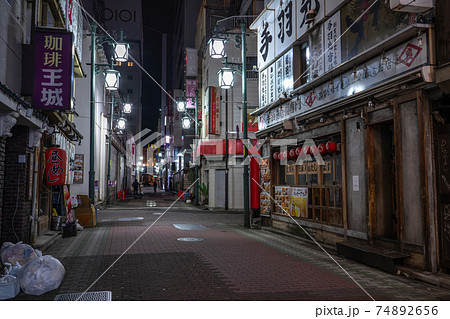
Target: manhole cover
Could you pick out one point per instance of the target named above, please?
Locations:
(88, 296)
(189, 227)
(189, 239)
(130, 219)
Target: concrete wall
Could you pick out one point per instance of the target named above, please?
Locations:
(412, 205)
(11, 39)
(356, 167)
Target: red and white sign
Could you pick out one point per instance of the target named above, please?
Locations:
(214, 111)
(409, 54)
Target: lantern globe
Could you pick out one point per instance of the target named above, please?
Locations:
(121, 123)
(127, 108)
(181, 106)
(217, 47)
(226, 78)
(186, 122)
(112, 79)
(121, 52)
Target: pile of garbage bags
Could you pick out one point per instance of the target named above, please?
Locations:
(28, 270)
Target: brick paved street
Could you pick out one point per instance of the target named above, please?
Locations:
(229, 263)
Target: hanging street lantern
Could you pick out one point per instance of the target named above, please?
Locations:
(217, 47)
(322, 149)
(111, 79)
(121, 123)
(331, 146)
(127, 108)
(298, 151)
(121, 52)
(226, 78)
(186, 123)
(181, 106)
(276, 156)
(292, 153)
(55, 166)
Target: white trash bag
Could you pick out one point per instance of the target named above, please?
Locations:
(41, 275)
(9, 287)
(21, 253)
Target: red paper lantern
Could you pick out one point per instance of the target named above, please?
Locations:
(55, 166)
(306, 150)
(292, 153)
(331, 147)
(298, 151)
(313, 150)
(276, 156)
(322, 149)
(283, 155)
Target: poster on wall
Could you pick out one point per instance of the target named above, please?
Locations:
(264, 196)
(332, 32)
(282, 198)
(379, 23)
(316, 49)
(299, 202)
(78, 169)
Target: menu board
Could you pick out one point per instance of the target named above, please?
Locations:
(78, 167)
(299, 202)
(282, 198)
(264, 197)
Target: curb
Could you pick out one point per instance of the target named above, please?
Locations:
(46, 241)
(435, 279)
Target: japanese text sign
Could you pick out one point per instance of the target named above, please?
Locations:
(191, 87)
(55, 166)
(53, 70)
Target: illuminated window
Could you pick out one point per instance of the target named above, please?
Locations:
(119, 63)
(130, 63)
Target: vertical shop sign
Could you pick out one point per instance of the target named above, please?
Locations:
(271, 76)
(266, 40)
(303, 7)
(53, 70)
(285, 32)
(264, 196)
(332, 32)
(263, 88)
(279, 77)
(214, 111)
(191, 87)
(288, 72)
(55, 166)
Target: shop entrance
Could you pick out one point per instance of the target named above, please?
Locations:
(382, 185)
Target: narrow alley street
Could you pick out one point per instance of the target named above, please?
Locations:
(193, 254)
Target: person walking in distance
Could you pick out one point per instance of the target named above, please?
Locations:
(135, 187)
(154, 185)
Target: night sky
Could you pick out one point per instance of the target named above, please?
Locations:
(158, 18)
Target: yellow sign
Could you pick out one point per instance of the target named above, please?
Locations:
(313, 168)
(299, 202)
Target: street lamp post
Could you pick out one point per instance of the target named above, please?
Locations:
(111, 120)
(226, 81)
(196, 137)
(111, 83)
(92, 122)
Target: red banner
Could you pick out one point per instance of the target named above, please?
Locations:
(55, 166)
(214, 111)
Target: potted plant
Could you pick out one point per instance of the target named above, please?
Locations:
(204, 190)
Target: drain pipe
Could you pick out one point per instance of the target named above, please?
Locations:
(34, 218)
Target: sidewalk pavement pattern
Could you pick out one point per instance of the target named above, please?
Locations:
(228, 262)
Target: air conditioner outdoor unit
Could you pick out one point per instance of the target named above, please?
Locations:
(411, 5)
